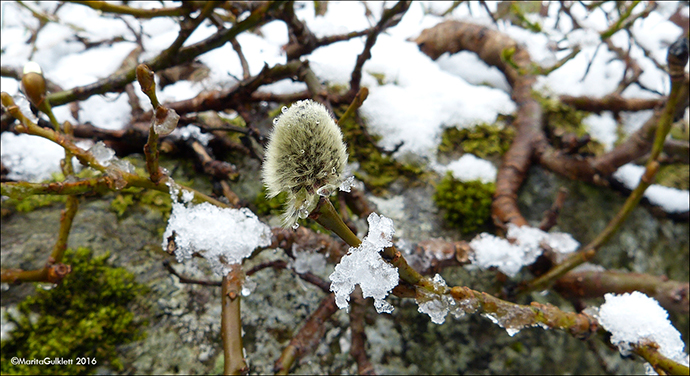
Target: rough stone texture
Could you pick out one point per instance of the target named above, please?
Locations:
(184, 320)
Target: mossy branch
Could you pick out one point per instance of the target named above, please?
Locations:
(136, 12)
(661, 364)
(115, 179)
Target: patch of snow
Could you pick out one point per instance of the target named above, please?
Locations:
(364, 266)
(672, 200)
(222, 236)
(633, 318)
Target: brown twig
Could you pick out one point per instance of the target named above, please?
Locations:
(231, 323)
(551, 216)
(389, 18)
(308, 336)
(358, 336)
(231, 98)
(192, 281)
(184, 54)
(308, 239)
(611, 102)
(672, 295)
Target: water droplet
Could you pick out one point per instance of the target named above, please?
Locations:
(295, 226)
(323, 191)
(284, 109)
(333, 170)
(303, 213)
(317, 122)
(302, 151)
(275, 121)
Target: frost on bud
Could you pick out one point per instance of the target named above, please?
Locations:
(305, 157)
(166, 121)
(33, 84)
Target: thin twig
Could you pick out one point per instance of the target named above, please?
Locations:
(389, 18)
(677, 58)
(308, 336)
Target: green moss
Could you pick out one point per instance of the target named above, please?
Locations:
(237, 121)
(265, 206)
(679, 131)
(30, 203)
(376, 170)
(466, 205)
(120, 204)
(675, 175)
(483, 140)
(149, 199)
(380, 77)
(561, 119)
(88, 315)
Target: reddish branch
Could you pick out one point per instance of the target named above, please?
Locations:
(302, 41)
(308, 337)
(611, 102)
(672, 295)
(233, 97)
(359, 338)
(530, 143)
(389, 18)
(455, 36)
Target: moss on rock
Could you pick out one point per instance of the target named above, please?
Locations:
(88, 315)
(376, 170)
(466, 205)
(483, 140)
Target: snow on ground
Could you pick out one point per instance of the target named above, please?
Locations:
(412, 98)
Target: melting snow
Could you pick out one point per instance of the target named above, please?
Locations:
(364, 266)
(509, 258)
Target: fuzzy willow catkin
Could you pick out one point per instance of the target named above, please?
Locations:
(305, 157)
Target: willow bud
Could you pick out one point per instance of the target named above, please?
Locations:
(33, 84)
(305, 157)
